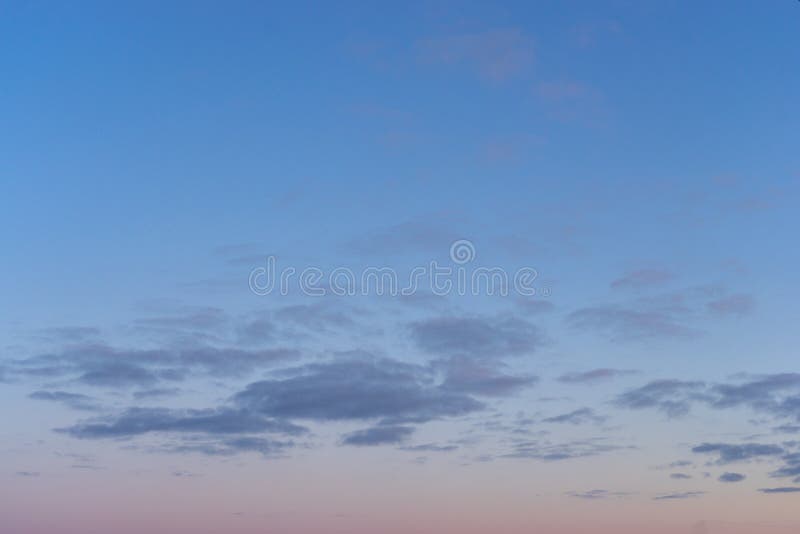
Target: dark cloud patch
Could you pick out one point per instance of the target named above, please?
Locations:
(791, 467)
(679, 496)
(680, 476)
(642, 278)
(760, 393)
(789, 489)
(378, 435)
(356, 389)
(477, 337)
(577, 417)
(731, 477)
(594, 376)
(76, 401)
(104, 366)
(138, 421)
(550, 452)
(230, 446)
(729, 453)
(672, 397)
(27, 474)
(777, 395)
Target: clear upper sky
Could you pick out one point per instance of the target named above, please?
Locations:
(638, 159)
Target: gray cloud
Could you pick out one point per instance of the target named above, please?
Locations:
(577, 417)
(430, 447)
(378, 435)
(75, 401)
(465, 375)
(105, 366)
(596, 494)
(356, 389)
(594, 376)
(548, 451)
(673, 397)
(478, 337)
(680, 476)
(731, 477)
(777, 395)
(730, 453)
(679, 496)
(138, 421)
(780, 490)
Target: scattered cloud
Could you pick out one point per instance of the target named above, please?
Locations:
(478, 337)
(731, 477)
(378, 435)
(594, 376)
(577, 417)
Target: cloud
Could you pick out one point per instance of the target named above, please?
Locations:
(356, 389)
(104, 366)
(731, 477)
(672, 397)
(465, 375)
(495, 55)
(627, 323)
(791, 467)
(737, 305)
(549, 452)
(75, 401)
(642, 278)
(777, 395)
(780, 490)
(478, 337)
(578, 417)
(596, 494)
(378, 435)
(679, 496)
(730, 453)
(139, 421)
(28, 474)
(670, 315)
(229, 446)
(430, 447)
(680, 476)
(594, 376)
(155, 393)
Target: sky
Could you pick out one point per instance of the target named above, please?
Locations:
(425, 267)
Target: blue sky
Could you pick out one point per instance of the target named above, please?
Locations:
(638, 155)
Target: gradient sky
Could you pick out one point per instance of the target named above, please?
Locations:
(640, 156)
